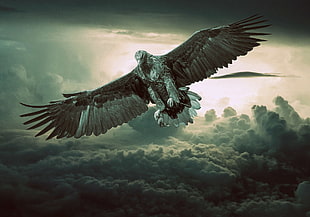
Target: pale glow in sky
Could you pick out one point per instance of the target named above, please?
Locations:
(113, 56)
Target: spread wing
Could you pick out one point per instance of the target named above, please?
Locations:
(93, 111)
(209, 49)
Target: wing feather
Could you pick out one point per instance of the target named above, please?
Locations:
(34, 113)
(91, 112)
(90, 120)
(42, 122)
(210, 49)
(46, 129)
(96, 121)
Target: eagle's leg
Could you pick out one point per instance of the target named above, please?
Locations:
(156, 99)
(159, 114)
(171, 90)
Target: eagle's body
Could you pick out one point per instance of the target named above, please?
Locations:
(170, 100)
(161, 80)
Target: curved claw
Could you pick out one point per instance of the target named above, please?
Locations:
(161, 122)
(170, 102)
(157, 115)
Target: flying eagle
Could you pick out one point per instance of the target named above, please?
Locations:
(161, 80)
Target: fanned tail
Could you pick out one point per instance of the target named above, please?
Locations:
(184, 117)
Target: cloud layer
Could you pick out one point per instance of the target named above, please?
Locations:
(291, 17)
(234, 165)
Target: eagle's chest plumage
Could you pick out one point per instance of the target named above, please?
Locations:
(152, 69)
(161, 87)
(154, 74)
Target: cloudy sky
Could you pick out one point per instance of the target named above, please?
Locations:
(247, 154)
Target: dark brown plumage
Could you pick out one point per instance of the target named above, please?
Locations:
(96, 111)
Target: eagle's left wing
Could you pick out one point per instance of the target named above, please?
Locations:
(93, 111)
(209, 49)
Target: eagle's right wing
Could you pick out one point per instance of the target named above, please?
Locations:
(93, 111)
(210, 49)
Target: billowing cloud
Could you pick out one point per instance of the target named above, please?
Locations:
(287, 111)
(210, 115)
(228, 112)
(303, 194)
(36, 73)
(237, 166)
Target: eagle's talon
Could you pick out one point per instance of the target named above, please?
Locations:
(161, 122)
(157, 115)
(170, 102)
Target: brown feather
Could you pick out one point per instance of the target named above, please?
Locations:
(210, 49)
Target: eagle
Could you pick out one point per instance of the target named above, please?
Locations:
(162, 80)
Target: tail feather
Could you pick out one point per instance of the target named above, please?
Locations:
(186, 116)
(192, 112)
(193, 95)
(195, 104)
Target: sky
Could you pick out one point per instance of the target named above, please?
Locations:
(247, 153)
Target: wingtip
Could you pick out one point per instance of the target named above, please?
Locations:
(30, 128)
(34, 106)
(254, 19)
(66, 95)
(23, 104)
(40, 134)
(49, 137)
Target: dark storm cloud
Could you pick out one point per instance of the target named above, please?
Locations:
(288, 17)
(283, 141)
(229, 168)
(5, 9)
(38, 72)
(303, 193)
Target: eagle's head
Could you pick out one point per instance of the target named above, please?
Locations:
(148, 65)
(140, 55)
